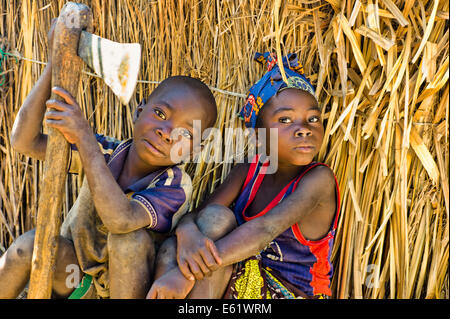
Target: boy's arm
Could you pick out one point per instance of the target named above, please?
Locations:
(26, 136)
(316, 189)
(117, 212)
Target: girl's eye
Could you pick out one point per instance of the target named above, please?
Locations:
(160, 114)
(314, 119)
(285, 120)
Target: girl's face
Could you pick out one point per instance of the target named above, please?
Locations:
(297, 117)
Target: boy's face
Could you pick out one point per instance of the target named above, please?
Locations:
(166, 120)
(297, 117)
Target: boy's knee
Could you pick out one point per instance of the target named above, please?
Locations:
(131, 244)
(215, 221)
(21, 251)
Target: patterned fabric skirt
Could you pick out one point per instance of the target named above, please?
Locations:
(251, 280)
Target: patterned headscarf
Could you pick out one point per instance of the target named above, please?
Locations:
(272, 82)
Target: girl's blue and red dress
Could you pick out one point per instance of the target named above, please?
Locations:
(292, 266)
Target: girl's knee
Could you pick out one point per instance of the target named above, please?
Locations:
(168, 247)
(215, 221)
(167, 257)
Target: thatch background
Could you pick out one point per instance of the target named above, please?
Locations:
(381, 68)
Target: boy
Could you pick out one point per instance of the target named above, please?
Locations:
(277, 240)
(128, 186)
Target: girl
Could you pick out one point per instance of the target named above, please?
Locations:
(277, 240)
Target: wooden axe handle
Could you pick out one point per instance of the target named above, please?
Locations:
(66, 69)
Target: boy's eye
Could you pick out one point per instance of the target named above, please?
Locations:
(314, 119)
(186, 134)
(285, 120)
(181, 132)
(160, 114)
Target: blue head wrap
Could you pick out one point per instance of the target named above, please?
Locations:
(272, 82)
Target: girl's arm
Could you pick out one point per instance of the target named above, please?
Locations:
(315, 191)
(197, 255)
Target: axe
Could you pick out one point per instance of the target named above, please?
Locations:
(118, 64)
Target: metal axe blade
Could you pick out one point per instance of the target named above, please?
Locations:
(116, 63)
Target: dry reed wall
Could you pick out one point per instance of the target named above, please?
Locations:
(381, 71)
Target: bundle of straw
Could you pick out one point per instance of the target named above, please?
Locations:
(381, 72)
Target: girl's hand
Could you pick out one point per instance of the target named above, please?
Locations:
(67, 117)
(197, 256)
(171, 285)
